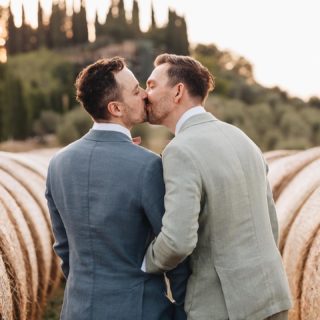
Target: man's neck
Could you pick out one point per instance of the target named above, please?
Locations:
(176, 114)
(113, 121)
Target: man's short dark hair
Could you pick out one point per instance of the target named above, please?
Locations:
(197, 78)
(96, 86)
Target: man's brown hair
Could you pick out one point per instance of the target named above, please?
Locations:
(96, 86)
(197, 78)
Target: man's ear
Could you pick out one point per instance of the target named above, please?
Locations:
(114, 109)
(179, 92)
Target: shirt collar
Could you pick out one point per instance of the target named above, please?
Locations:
(188, 114)
(111, 127)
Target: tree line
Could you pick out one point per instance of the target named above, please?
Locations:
(62, 30)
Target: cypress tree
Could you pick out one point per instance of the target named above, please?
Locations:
(25, 34)
(15, 116)
(122, 29)
(135, 19)
(13, 37)
(176, 34)
(182, 44)
(171, 32)
(98, 27)
(56, 33)
(110, 24)
(79, 26)
(41, 32)
(153, 26)
(121, 13)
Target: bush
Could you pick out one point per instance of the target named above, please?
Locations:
(74, 125)
(47, 123)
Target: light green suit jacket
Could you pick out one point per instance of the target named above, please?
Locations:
(219, 209)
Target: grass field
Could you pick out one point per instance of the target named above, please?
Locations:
(53, 309)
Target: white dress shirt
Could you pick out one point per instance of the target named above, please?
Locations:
(111, 127)
(188, 114)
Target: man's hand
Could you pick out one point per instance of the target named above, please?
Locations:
(136, 140)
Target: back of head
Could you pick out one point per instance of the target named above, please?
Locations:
(96, 86)
(197, 78)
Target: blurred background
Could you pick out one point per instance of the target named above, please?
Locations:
(264, 55)
(267, 72)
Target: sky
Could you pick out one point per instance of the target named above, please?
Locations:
(278, 37)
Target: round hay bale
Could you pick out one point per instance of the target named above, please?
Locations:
(32, 182)
(11, 252)
(40, 160)
(283, 170)
(35, 185)
(274, 155)
(27, 246)
(297, 246)
(39, 229)
(47, 153)
(294, 196)
(310, 297)
(6, 305)
(25, 161)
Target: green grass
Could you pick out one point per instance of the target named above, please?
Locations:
(54, 304)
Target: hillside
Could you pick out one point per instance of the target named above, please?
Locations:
(37, 95)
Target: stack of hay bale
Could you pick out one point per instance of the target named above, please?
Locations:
(295, 181)
(29, 270)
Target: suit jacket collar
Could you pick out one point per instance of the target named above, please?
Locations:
(108, 136)
(198, 119)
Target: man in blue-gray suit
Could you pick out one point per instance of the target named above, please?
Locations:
(105, 197)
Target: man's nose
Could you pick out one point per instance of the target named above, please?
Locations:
(143, 93)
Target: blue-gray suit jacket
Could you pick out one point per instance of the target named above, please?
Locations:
(105, 197)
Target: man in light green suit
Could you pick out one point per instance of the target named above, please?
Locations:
(218, 204)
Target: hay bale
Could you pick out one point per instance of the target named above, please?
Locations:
(310, 297)
(35, 185)
(6, 305)
(47, 153)
(283, 170)
(37, 158)
(41, 234)
(274, 155)
(294, 196)
(25, 161)
(27, 247)
(11, 252)
(297, 246)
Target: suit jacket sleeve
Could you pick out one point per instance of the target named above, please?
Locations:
(152, 194)
(61, 246)
(153, 191)
(178, 236)
(272, 210)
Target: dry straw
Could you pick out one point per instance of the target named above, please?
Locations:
(310, 298)
(275, 155)
(283, 170)
(294, 196)
(25, 161)
(35, 185)
(297, 246)
(6, 305)
(27, 246)
(12, 256)
(41, 234)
